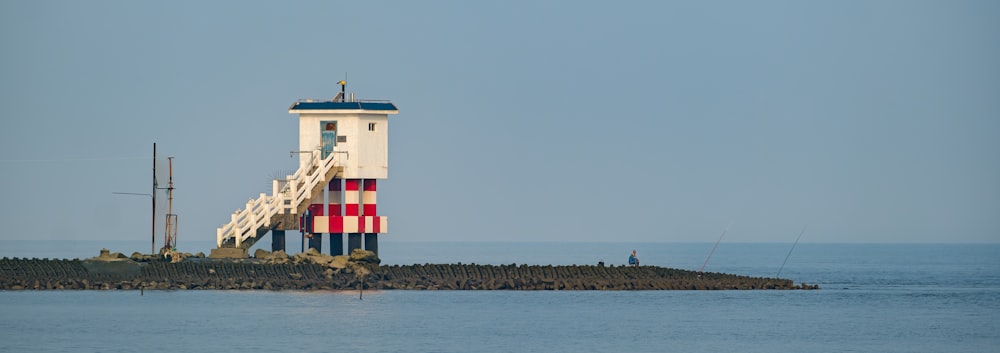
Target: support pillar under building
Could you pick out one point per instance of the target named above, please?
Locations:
(353, 242)
(316, 242)
(277, 240)
(371, 242)
(336, 244)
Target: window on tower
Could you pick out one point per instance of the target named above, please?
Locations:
(371, 126)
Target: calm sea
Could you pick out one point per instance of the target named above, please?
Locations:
(874, 298)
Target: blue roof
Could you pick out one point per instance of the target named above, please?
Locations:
(329, 105)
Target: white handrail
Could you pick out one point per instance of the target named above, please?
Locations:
(257, 213)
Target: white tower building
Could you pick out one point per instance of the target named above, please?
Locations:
(356, 135)
(343, 152)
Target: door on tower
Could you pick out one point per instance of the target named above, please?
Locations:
(328, 130)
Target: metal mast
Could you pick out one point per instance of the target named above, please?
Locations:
(170, 238)
(152, 233)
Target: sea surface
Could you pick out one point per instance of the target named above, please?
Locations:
(873, 298)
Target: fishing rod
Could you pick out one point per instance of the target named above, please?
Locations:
(790, 251)
(713, 248)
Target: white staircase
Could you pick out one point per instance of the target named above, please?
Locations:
(288, 197)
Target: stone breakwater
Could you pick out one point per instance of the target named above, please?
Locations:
(46, 274)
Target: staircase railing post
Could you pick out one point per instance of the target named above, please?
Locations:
(295, 195)
(267, 209)
(237, 233)
(251, 220)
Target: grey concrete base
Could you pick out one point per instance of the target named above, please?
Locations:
(229, 253)
(353, 242)
(277, 240)
(336, 244)
(371, 242)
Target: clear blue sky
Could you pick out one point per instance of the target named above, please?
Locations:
(868, 121)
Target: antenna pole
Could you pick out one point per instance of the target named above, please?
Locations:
(152, 233)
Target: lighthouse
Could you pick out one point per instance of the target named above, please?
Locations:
(343, 152)
(356, 135)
